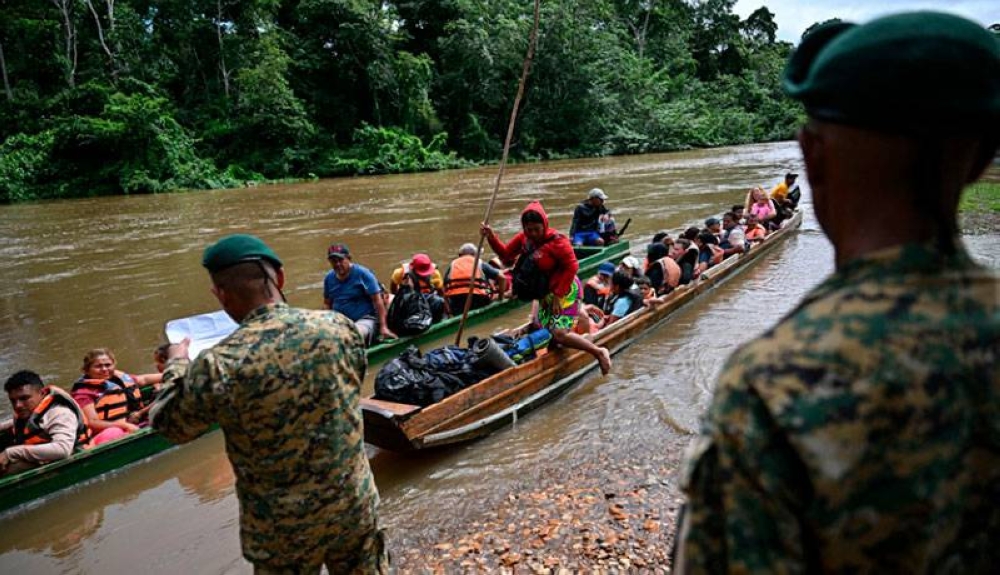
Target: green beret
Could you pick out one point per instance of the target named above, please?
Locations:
(919, 73)
(235, 249)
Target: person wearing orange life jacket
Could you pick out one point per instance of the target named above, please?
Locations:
(664, 272)
(598, 288)
(48, 425)
(109, 397)
(458, 275)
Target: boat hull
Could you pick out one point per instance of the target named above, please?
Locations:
(499, 400)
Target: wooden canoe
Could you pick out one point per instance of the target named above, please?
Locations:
(498, 400)
(33, 484)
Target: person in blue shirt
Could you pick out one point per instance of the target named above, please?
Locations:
(354, 291)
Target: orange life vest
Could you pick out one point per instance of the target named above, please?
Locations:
(30, 432)
(459, 277)
(118, 397)
(671, 271)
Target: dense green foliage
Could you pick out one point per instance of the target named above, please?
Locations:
(140, 96)
(982, 197)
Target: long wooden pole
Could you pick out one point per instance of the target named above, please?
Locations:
(532, 42)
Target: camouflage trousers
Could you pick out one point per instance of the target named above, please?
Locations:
(366, 555)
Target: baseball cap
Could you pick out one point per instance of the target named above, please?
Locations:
(607, 268)
(338, 251)
(597, 193)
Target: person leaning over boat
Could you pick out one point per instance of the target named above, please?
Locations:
(459, 274)
(860, 434)
(353, 290)
(285, 389)
(552, 253)
(585, 229)
(109, 397)
(48, 425)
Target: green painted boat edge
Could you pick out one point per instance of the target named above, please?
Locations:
(588, 267)
(25, 487)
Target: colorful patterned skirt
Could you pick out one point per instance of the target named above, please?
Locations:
(569, 308)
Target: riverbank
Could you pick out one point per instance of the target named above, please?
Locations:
(980, 206)
(612, 510)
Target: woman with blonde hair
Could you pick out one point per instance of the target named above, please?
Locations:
(108, 397)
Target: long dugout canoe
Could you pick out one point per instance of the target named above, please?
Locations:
(498, 400)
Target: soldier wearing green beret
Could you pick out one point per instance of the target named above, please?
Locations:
(861, 433)
(284, 387)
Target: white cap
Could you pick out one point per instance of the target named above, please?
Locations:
(632, 262)
(597, 193)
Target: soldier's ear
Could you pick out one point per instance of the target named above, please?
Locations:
(279, 278)
(220, 294)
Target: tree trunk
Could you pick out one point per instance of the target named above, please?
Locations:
(6, 80)
(66, 8)
(100, 37)
(222, 52)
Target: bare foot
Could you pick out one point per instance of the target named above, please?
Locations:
(605, 360)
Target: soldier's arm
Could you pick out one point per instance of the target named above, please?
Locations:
(184, 409)
(745, 488)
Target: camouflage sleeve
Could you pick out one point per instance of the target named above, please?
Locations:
(184, 409)
(745, 492)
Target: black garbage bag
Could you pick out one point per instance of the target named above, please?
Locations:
(423, 380)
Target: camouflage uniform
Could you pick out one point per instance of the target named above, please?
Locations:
(284, 387)
(862, 433)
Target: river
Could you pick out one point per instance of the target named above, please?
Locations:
(108, 272)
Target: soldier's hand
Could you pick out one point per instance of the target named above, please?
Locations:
(179, 350)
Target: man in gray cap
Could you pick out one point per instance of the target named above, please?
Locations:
(861, 433)
(585, 228)
(284, 387)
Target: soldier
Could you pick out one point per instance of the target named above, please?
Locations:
(284, 388)
(860, 434)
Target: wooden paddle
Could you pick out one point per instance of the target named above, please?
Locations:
(532, 42)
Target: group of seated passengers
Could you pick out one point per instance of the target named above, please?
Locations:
(353, 290)
(617, 291)
(49, 424)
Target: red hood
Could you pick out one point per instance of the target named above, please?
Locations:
(536, 206)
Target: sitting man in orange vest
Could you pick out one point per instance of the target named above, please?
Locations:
(48, 425)
(459, 274)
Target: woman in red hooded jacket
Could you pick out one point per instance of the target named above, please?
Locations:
(559, 309)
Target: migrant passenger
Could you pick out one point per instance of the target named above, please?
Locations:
(585, 228)
(733, 238)
(459, 275)
(631, 266)
(552, 255)
(663, 272)
(760, 205)
(715, 226)
(429, 283)
(780, 192)
(354, 291)
(597, 288)
(709, 252)
(624, 300)
(110, 397)
(860, 434)
(686, 254)
(691, 233)
(48, 425)
(755, 233)
(285, 389)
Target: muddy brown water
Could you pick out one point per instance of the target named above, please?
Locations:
(108, 272)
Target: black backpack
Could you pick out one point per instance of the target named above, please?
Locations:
(529, 283)
(410, 312)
